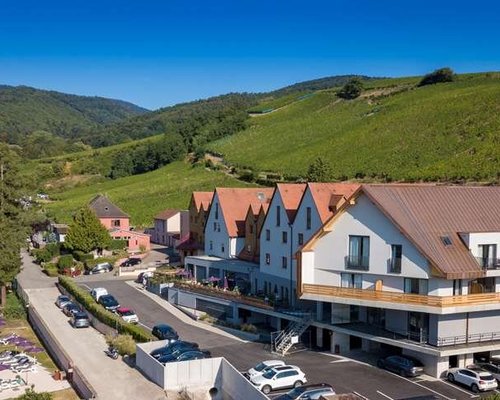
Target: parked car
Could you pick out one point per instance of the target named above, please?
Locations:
(309, 392)
(108, 302)
(128, 315)
(131, 262)
(402, 365)
(62, 300)
(476, 379)
(98, 292)
(286, 376)
(70, 308)
(194, 355)
(101, 268)
(174, 346)
(493, 369)
(80, 320)
(262, 367)
(166, 358)
(164, 332)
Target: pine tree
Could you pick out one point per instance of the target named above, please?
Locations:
(86, 233)
(319, 171)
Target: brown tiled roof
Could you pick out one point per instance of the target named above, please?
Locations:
(202, 200)
(103, 208)
(327, 196)
(189, 244)
(427, 213)
(234, 203)
(291, 195)
(166, 214)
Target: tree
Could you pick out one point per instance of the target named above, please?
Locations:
(12, 223)
(438, 76)
(351, 89)
(86, 233)
(319, 171)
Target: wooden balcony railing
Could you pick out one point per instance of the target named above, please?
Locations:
(403, 298)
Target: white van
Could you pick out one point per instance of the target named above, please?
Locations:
(98, 292)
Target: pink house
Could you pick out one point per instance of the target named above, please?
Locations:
(118, 223)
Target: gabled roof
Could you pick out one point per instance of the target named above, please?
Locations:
(427, 213)
(327, 196)
(167, 214)
(202, 200)
(103, 208)
(234, 204)
(291, 195)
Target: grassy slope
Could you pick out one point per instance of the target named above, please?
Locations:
(143, 196)
(444, 131)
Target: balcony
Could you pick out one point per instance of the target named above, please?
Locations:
(357, 262)
(488, 263)
(401, 298)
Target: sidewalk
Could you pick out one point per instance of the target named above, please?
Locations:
(182, 316)
(112, 379)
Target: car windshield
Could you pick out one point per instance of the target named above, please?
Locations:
(486, 376)
(127, 312)
(63, 298)
(259, 367)
(80, 316)
(269, 374)
(292, 394)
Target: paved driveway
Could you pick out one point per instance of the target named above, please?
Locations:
(344, 374)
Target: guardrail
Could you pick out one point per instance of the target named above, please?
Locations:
(472, 338)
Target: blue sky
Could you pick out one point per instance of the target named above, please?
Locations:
(161, 52)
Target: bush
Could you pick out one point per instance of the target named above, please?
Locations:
(351, 89)
(81, 256)
(14, 308)
(248, 328)
(438, 76)
(41, 255)
(65, 262)
(125, 344)
(117, 244)
(51, 269)
(85, 299)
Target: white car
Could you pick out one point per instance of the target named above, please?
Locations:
(475, 378)
(262, 367)
(128, 315)
(98, 292)
(286, 376)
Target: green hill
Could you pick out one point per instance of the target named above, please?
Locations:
(24, 110)
(394, 131)
(143, 196)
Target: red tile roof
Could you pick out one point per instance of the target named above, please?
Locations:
(167, 214)
(291, 195)
(327, 196)
(234, 203)
(427, 213)
(202, 200)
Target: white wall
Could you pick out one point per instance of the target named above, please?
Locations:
(220, 236)
(473, 240)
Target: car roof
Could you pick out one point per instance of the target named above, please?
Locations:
(284, 368)
(273, 362)
(162, 326)
(317, 386)
(123, 309)
(81, 314)
(63, 296)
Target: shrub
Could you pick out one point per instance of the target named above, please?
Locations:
(54, 249)
(351, 89)
(86, 300)
(248, 328)
(125, 344)
(81, 256)
(51, 269)
(117, 244)
(42, 255)
(438, 76)
(65, 261)
(14, 308)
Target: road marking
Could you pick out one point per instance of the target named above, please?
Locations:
(145, 326)
(360, 395)
(345, 359)
(422, 386)
(457, 387)
(339, 361)
(383, 394)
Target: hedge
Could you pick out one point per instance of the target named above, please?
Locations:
(81, 256)
(65, 261)
(117, 244)
(86, 300)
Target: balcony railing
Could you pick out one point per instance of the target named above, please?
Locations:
(488, 263)
(404, 298)
(357, 262)
(472, 338)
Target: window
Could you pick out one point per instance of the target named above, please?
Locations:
(284, 262)
(222, 248)
(308, 218)
(116, 222)
(395, 262)
(301, 239)
(488, 256)
(359, 252)
(351, 281)
(215, 226)
(416, 286)
(218, 227)
(249, 248)
(251, 228)
(268, 235)
(284, 237)
(216, 210)
(278, 215)
(211, 245)
(457, 287)
(268, 258)
(446, 240)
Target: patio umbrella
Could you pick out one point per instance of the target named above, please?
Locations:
(226, 284)
(183, 272)
(213, 279)
(35, 350)
(26, 343)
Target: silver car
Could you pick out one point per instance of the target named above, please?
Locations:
(80, 320)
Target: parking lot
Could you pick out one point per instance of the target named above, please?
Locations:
(344, 374)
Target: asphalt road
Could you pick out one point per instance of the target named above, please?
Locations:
(345, 375)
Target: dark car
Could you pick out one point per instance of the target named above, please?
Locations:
(402, 365)
(80, 320)
(165, 332)
(170, 348)
(108, 302)
(309, 392)
(173, 356)
(189, 355)
(71, 308)
(131, 262)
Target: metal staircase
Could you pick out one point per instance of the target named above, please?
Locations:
(286, 339)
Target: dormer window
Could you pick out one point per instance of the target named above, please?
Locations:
(216, 210)
(308, 218)
(278, 215)
(446, 240)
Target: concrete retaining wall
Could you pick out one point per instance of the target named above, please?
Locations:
(145, 363)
